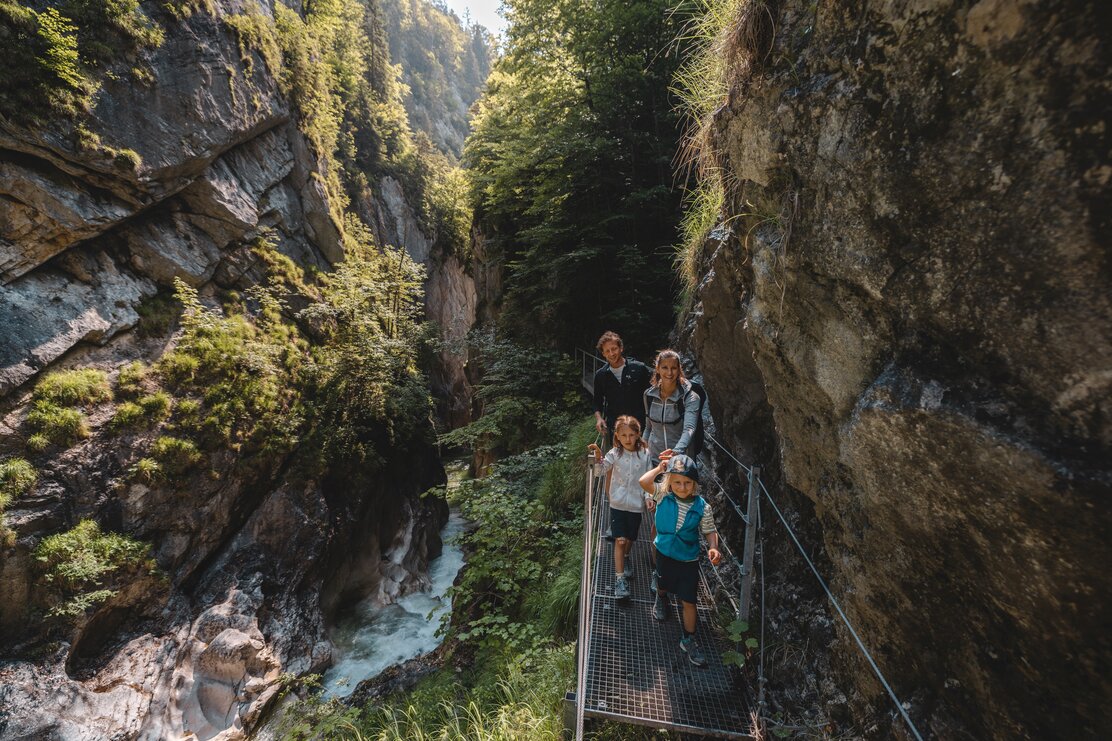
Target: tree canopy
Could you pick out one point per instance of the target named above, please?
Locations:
(570, 166)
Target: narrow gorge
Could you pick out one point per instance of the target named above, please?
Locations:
(265, 267)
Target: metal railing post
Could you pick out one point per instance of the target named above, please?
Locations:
(750, 544)
(585, 597)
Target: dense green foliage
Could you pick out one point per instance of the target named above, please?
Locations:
(84, 566)
(443, 64)
(524, 396)
(571, 169)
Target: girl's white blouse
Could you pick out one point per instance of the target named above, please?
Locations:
(625, 491)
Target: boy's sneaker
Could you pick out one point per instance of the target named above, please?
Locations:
(691, 648)
(660, 608)
(621, 588)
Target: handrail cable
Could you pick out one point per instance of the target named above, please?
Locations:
(842, 614)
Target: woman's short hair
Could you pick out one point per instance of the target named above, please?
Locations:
(609, 337)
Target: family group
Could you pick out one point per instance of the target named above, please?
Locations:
(653, 420)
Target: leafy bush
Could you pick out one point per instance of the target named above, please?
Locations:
(525, 396)
(243, 370)
(84, 567)
(17, 477)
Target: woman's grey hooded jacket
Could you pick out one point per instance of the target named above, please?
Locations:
(669, 424)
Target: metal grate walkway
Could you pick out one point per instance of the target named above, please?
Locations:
(636, 672)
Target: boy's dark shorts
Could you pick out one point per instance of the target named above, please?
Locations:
(681, 578)
(625, 524)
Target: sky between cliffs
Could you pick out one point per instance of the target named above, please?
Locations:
(483, 12)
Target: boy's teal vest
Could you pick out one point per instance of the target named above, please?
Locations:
(681, 544)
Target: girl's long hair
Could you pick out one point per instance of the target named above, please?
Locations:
(633, 424)
(667, 355)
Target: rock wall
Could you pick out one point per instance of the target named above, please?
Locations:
(257, 559)
(912, 308)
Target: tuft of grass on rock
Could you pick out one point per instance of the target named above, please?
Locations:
(175, 456)
(17, 477)
(131, 379)
(55, 418)
(77, 387)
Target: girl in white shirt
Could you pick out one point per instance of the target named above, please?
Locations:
(627, 461)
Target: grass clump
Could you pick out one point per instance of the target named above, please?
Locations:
(131, 381)
(143, 413)
(78, 387)
(175, 456)
(54, 418)
(17, 477)
(83, 567)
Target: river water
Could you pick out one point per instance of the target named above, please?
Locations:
(369, 638)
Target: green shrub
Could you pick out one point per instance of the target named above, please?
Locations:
(148, 410)
(17, 477)
(78, 387)
(53, 418)
(84, 566)
(156, 406)
(38, 442)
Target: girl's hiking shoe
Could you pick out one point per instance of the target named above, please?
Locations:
(621, 588)
(653, 581)
(660, 609)
(691, 648)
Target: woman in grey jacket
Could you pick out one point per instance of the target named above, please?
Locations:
(669, 423)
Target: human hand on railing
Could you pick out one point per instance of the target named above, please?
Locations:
(650, 504)
(592, 448)
(600, 425)
(714, 555)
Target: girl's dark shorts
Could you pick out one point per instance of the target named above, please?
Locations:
(681, 578)
(625, 524)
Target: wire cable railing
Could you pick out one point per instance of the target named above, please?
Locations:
(589, 364)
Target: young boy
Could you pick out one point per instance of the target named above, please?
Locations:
(681, 514)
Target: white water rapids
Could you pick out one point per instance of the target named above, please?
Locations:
(369, 639)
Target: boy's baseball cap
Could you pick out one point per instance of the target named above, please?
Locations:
(683, 465)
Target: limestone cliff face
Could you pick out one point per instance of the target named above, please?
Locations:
(913, 310)
(256, 559)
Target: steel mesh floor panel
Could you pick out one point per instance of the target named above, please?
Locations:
(636, 671)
